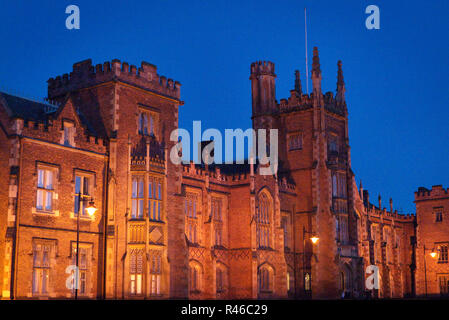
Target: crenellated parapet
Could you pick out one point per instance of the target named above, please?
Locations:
(437, 192)
(84, 75)
(262, 68)
(214, 174)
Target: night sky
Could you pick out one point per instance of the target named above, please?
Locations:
(396, 77)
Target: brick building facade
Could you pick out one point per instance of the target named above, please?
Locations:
(197, 231)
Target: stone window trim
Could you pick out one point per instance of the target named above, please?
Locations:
(43, 266)
(87, 268)
(148, 121)
(55, 179)
(68, 132)
(295, 140)
(438, 214)
(443, 252)
(92, 188)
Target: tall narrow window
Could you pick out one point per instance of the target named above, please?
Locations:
(45, 189)
(154, 199)
(285, 227)
(143, 123)
(41, 268)
(307, 286)
(155, 273)
(263, 221)
(264, 279)
(220, 279)
(84, 260)
(137, 198)
(443, 282)
(195, 278)
(191, 220)
(69, 134)
(82, 187)
(443, 253)
(136, 272)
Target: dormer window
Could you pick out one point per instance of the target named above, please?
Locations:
(69, 134)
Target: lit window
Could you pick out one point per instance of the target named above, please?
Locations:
(45, 189)
(155, 273)
(69, 134)
(137, 198)
(84, 259)
(41, 268)
(307, 282)
(83, 187)
(136, 272)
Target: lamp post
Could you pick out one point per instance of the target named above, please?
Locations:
(314, 239)
(434, 255)
(90, 211)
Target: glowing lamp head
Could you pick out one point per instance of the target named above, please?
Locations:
(433, 254)
(91, 209)
(314, 239)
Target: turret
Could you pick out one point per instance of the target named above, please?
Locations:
(263, 87)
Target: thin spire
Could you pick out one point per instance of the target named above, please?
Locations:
(298, 87)
(340, 84)
(307, 63)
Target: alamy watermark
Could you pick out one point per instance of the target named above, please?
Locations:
(264, 147)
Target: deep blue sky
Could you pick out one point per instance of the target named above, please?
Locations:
(396, 77)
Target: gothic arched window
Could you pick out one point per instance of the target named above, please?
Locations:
(263, 221)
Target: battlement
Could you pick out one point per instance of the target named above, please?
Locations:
(262, 67)
(84, 75)
(214, 173)
(376, 212)
(437, 192)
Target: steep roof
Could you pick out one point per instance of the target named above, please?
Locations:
(18, 107)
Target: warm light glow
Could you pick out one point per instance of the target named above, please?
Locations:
(91, 209)
(433, 254)
(314, 239)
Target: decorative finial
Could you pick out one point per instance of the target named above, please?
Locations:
(298, 87)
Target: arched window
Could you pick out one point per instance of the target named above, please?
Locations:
(263, 221)
(265, 279)
(307, 281)
(195, 277)
(221, 279)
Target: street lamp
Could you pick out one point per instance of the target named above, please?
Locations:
(314, 239)
(91, 209)
(434, 254)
